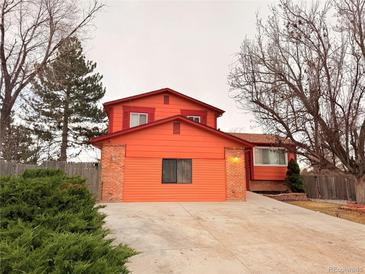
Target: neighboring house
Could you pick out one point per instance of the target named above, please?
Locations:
(165, 146)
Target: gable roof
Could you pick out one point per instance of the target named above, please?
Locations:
(102, 138)
(262, 139)
(159, 91)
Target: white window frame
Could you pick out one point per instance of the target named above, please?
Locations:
(194, 116)
(139, 113)
(279, 148)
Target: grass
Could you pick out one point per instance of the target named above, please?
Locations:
(333, 210)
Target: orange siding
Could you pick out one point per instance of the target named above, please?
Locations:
(143, 163)
(143, 181)
(159, 141)
(271, 173)
(162, 110)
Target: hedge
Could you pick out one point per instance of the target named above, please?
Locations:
(49, 223)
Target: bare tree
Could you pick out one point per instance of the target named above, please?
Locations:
(304, 78)
(30, 33)
(351, 14)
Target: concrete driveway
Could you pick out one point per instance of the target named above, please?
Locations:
(258, 236)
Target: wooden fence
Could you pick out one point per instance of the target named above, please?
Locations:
(89, 171)
(317, 187)
(330, 187)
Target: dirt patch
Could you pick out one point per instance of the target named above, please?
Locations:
(332, 209)
(354, 207)
(284, 197)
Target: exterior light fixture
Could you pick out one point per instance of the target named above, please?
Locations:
(235, 159)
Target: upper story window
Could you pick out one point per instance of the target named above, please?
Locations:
(194, 118)
(137, 119)
(196, 115)
(270, 156)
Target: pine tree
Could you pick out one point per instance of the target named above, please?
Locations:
(64, 107)
(21, 146)
(293, 178)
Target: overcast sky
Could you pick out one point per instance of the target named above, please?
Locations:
(187, 46)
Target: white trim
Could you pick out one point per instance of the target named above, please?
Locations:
(273, 165)
(194, 116)
(139, 113)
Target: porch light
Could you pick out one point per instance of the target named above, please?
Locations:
(235, 159)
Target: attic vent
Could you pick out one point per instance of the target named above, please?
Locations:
(166, 99)
(176, 127)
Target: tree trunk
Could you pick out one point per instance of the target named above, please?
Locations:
(360, 190)
(2, 134)
(64, 141)
(4, 127)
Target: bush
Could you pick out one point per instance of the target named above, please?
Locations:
(41, 172)
(293, 178)
(49, 224)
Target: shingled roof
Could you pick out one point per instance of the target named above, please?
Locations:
(262, 139)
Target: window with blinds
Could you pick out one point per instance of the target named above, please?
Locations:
(194, 118)
(176, 171)
(266, 156)
(137, 119)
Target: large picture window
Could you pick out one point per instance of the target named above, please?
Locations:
(267, 156)
(137, 119)
(176, 171)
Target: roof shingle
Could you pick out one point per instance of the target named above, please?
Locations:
(256, 138)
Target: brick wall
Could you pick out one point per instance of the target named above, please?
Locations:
(112, 172)
(235, 174)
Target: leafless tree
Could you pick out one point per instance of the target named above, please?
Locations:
(30, 33)
(304, 78)
(351, 14)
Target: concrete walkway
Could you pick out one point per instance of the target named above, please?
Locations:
(258, 236)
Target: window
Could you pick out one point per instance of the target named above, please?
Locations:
(176, 171)
(194, 118)
(270, 156)
(137, 119)
(166, 99)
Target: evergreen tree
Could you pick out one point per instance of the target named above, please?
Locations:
(64, 108)
(293, 178)
(21, 146)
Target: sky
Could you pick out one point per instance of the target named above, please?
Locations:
(188, 46)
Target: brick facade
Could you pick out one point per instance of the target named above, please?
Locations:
(112, 172)
(235, 174)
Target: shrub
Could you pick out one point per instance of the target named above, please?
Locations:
(293, 178)
(49, 223)
(41, 172)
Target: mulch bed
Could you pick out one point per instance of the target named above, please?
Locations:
(354, 207)
(289, 196)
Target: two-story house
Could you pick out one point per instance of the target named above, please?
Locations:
(165, 146)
